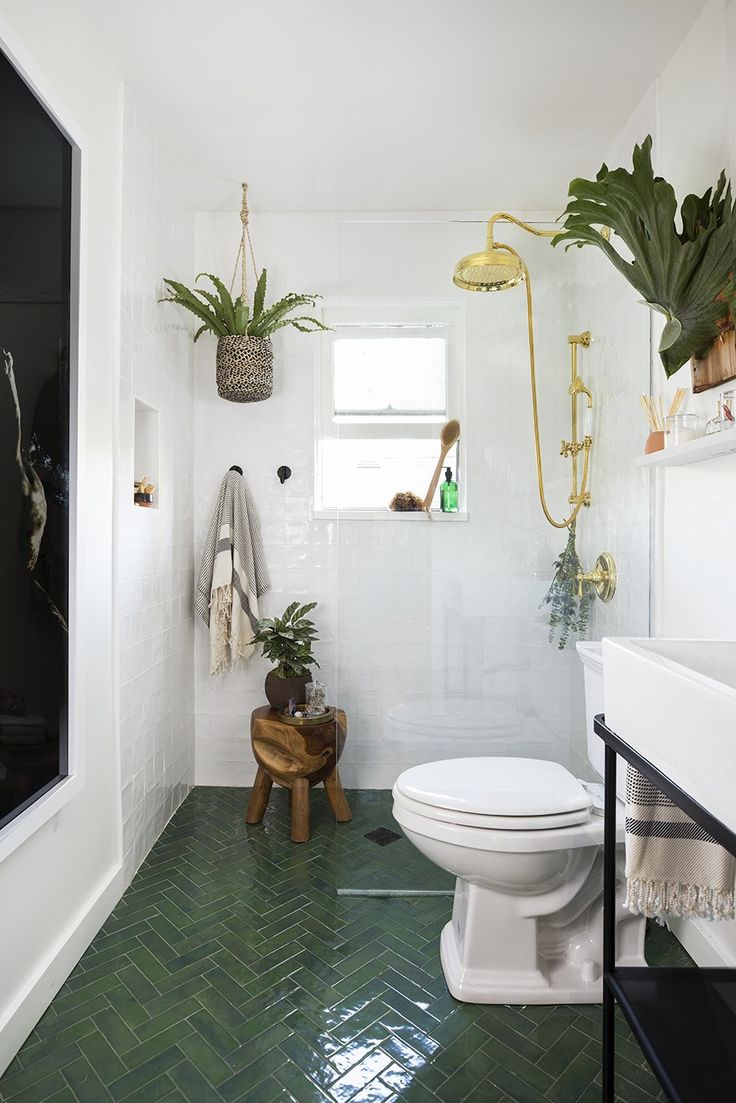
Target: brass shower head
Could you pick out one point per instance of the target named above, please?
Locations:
(499, 266)
(495, 269)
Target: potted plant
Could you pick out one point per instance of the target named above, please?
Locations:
(287, 641)
(244, 350)
(684, 274)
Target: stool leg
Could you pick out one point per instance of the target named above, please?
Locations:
(259, 797)
(336, 797)
(300, 810)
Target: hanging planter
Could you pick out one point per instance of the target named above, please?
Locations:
(244, 368)
(244, 362)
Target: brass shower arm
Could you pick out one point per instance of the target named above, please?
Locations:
(503, 216)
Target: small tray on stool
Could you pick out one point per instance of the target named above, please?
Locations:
(307, 721)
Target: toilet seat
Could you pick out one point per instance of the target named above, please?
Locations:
(514, 794)
(490, 822)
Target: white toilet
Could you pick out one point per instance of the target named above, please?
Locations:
(524, 838)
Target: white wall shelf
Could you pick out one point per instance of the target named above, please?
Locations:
(694, 451)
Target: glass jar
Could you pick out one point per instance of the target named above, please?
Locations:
(680, 428)
(316, 698)
(728, 409)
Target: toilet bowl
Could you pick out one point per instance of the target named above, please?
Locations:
(524, 840)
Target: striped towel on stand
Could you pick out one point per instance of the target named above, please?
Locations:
(673, 866)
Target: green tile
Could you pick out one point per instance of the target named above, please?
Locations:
(295, 1080)
(464, 1079)
(212, 1030)
(116, 1030)
(168, 1018)
(50, 1060)
(204, 1057)
(40, 1091)
(261, 1068)
(259, 1046)
(147, 1073)
(231, 971)
(85, 1083)
(192, 1084)
(102, 1057)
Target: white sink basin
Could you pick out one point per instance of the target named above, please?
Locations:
(674, 701)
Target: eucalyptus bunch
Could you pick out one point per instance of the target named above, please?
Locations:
(684, 274)
(224, 316)
(287, 640)
(569, 612)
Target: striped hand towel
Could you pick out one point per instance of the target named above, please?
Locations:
(673, 866)
(232, 575)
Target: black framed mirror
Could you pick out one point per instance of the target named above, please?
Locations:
(35, 332)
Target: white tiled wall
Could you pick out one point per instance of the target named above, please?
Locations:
(410, 612)
(154, 564)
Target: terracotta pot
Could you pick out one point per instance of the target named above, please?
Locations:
(280, 690)
(654, 442)
(244, 368)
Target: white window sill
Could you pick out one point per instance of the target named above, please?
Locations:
(385, 515)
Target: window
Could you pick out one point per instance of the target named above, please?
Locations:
(389, 379)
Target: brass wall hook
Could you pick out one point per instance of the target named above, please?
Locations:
(602, 578)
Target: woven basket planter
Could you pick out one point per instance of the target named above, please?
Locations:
(244, 368)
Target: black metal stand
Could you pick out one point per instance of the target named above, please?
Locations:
(683, 1019)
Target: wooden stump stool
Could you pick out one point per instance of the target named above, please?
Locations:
(297, 758)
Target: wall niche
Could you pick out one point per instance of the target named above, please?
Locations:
(35, 329)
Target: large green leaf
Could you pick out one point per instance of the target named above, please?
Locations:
(681, 273)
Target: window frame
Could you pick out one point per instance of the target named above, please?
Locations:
(448, 316)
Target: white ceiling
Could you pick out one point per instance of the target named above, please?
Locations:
(388, 105)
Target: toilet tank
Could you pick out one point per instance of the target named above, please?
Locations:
(591, 656)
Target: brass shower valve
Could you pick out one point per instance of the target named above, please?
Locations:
(602, 578)
(570, 448)
(583, 499)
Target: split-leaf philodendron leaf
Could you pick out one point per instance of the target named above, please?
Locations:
(684, 274)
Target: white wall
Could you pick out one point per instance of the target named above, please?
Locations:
(155, 569)
(58, 886)
(410, 611)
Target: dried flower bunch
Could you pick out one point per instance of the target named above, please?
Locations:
(569, 613)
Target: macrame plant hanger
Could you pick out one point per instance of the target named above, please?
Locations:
(245, 248)
(244, 362)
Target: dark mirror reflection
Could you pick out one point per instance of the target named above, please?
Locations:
(35, 282)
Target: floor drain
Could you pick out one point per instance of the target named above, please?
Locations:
(382, 835)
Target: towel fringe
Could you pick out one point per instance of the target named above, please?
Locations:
(655, 899)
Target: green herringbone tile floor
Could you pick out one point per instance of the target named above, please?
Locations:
(232, 971)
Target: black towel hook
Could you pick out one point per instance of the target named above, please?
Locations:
(283, 473)
(236, 468)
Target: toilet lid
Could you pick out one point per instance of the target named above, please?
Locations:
(496, 787)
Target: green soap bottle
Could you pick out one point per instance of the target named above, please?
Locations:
(448, 494)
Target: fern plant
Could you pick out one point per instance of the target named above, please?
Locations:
(224, 316)
(568, 612)
(287, 640)
(686, 273)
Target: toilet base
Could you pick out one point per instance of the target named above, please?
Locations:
(561, 983)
